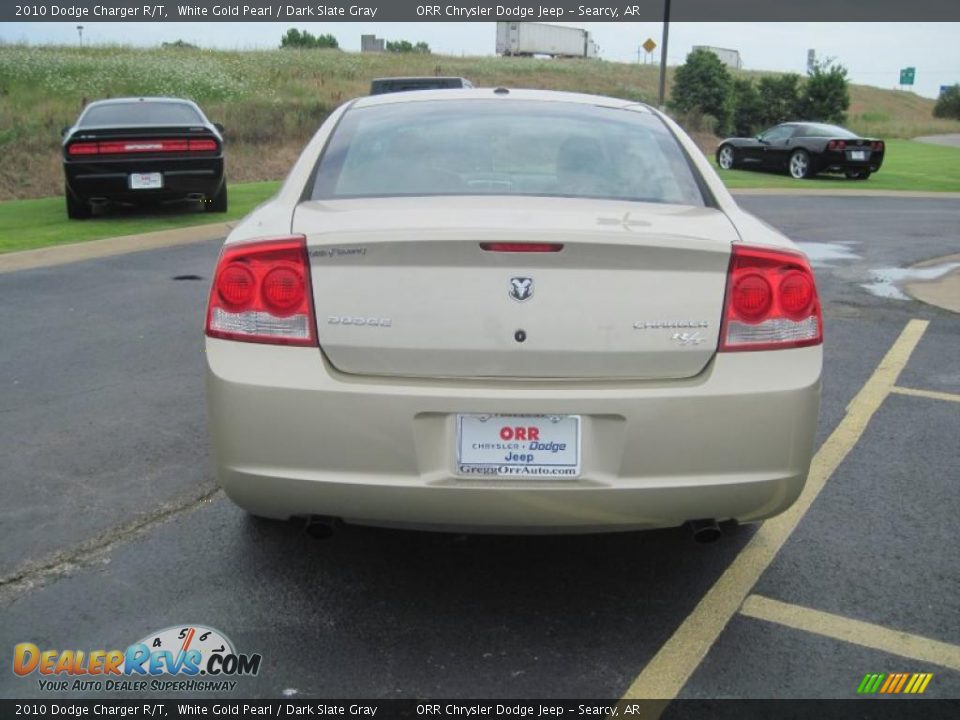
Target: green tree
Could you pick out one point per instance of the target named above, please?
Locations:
(747, 108)
(405, 46)
(306, 40)
(703, 85)
(779, 98)
(825, 94)
(948, 104)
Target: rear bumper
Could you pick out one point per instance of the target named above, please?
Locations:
(294, 437)
(110, 179)
(837, 162)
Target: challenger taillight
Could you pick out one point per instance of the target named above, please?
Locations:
(125, 147)
(261, 293)
(771, 301)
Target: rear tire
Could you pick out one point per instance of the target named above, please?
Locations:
(857, 174)
(799, 166)
(77, 209)
(726, 157)
(218, 203)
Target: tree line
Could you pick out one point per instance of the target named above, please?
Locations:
(703, 85)
(305, 40)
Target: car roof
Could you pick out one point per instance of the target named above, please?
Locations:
(500, 94)
(122, 100)
(418, 77)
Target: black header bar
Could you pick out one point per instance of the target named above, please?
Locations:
(294, 11)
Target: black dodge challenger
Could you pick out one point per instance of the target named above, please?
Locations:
(139, 151)
(803, 150)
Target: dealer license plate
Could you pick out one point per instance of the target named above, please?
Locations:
(146, 181)
(858, 154)
(529, 447)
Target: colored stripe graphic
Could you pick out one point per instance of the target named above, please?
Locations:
(894, 683)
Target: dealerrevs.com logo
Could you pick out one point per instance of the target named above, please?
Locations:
(187, 658)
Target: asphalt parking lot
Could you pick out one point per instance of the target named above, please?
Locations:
(113, 526)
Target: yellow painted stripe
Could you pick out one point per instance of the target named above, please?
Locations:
(931, 394)
(913, 681)
(671, 667)
(926, 681)
(858, 632)
(903, 679)
(886, 684)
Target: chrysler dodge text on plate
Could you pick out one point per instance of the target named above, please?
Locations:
(510, 311)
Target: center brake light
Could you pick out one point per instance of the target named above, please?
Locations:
(771, 301)
(261, 293)
(521, 247)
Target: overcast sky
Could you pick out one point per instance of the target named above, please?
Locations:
(872, 52)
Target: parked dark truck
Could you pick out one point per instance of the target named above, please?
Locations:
(143, 151)
(402, 84)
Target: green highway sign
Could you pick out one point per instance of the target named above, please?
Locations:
(907, 75)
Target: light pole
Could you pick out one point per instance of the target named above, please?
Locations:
(80, 33)
(663, 52)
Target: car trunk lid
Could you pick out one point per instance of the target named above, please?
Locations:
(404, 287)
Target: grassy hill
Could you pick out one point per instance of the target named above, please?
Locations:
(272, 101)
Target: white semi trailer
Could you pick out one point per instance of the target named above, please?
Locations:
(527, 38)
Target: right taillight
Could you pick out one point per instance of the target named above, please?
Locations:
(261, 293)
(771, 301)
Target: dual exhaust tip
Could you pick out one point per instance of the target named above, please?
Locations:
(704, 531)
(322, 527)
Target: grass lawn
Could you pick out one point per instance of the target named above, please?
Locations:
(907, 165)
(29, 224)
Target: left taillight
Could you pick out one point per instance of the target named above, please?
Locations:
(771, 301)
(261, 293)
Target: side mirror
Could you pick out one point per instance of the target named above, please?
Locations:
(219, 127)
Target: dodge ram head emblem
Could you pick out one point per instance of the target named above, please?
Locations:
(521, 288)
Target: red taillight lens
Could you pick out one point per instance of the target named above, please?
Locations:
(876, 146)
(752, 296)
(796, 294)
(123, 147)
(261, 293)
(771, 301)
(236, 285)
(508, 247)
(203, 145)
(82, 149)
(283, 289)
(836, 145)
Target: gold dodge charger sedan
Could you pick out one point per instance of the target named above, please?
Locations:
(510, 311)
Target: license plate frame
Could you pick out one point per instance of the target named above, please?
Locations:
(146, 181)
(555, 454)
(860, 155)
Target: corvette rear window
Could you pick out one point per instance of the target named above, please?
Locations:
(494, 147)
(141, 113)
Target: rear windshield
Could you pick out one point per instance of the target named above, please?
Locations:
(141, 113)
(378, 87)
(494, 147)
(821, 130)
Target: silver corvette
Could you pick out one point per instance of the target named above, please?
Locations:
(510, 311)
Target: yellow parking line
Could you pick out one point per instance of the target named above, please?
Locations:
(668, 671)
(932, 394)
(858, 632)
